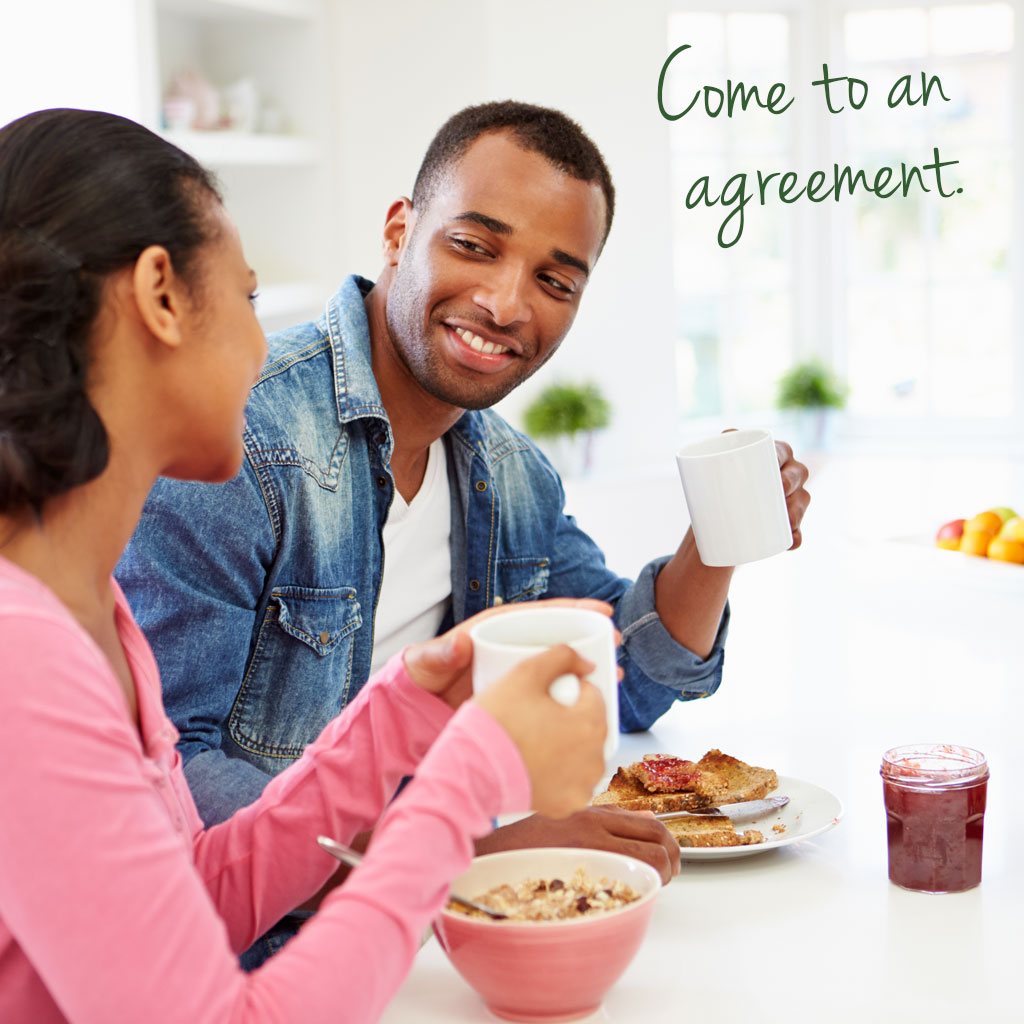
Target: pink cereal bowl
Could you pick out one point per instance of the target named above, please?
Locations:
(542, 972)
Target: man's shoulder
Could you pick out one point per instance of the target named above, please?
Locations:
(296, 383)
(306, 346)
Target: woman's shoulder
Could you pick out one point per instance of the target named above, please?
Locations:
(35, 626)
(23, 595)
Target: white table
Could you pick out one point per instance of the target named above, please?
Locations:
(838, 652)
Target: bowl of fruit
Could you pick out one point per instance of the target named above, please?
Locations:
(997, 533)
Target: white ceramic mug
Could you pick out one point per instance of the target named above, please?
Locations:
(502, 641)
(734, 493)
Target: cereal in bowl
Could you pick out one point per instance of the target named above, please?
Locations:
(537, 899)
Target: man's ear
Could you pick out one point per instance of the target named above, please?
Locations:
(160, 294)
(398, 227)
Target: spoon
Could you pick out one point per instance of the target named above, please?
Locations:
(353, 858)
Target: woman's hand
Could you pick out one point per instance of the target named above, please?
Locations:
(562, 747)
(443, 666)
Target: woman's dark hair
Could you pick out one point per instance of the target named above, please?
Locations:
(538, 129)
(82, 194)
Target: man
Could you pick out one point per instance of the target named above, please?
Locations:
(373, 509)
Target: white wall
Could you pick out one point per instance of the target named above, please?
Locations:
(71, 53)
(404, 67)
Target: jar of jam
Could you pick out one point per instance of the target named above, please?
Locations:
(935, 808)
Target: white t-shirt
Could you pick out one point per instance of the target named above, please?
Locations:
(416, 588)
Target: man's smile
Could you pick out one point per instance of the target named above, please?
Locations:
(475, 342)
(480, 351)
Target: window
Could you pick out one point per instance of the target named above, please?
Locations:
(911, 299)
(734, 306)
(927, 296)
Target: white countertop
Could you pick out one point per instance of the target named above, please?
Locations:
(837, 652)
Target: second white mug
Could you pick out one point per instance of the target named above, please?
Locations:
(734, 493)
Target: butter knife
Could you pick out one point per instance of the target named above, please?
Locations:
(741, 809)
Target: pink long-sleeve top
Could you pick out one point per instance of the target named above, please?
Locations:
(117, 906)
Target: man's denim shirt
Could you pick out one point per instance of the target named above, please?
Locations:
(258, 595)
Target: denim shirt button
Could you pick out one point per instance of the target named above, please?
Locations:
(474, 584)
(382, 481)
(498, 600)
(481, 485)
(324, 637)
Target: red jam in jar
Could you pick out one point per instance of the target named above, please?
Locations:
(935, 807)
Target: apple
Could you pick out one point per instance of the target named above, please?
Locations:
(1013, 529)
(949, 535)
(1006, 550)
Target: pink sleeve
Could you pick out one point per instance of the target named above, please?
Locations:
(101, 897)
(473, 773)
(263, 861)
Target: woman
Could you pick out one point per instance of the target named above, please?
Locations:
(128, 344)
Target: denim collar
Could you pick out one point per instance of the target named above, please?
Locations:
(355, 388)
(356, 391)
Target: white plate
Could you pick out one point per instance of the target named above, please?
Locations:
(811, 810)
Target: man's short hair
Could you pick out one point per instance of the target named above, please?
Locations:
(538, 129)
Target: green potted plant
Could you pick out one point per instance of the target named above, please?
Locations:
(567, 415)
(813, 390)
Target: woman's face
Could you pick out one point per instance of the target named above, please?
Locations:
(224, 349)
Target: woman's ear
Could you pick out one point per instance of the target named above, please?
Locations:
(160, 295)
(398, 227)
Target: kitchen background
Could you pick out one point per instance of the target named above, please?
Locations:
(316, 112)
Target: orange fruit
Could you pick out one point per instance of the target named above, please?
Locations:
(975, 542)
(1006, 550)
(1004, 512)
(988, 522)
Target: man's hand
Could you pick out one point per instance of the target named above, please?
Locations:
(443, 666)
(635, 833)
(794, 476)
(690, 596)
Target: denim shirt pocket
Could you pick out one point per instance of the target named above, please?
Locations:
(299, 675)
(522, 579)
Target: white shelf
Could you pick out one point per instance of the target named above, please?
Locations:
(240, 149)
(291, 10)
(276, 186)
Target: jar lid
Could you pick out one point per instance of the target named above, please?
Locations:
(928, 765)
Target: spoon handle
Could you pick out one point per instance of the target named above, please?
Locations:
(353, 858)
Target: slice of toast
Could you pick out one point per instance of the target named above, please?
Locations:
(627, 792)
(722, 780)
(745, 782)
(664, 773)
(712, 830)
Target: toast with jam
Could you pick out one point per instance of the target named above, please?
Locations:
(664, 782)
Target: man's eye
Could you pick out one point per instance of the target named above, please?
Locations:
(253, 297)
(468, 246)
(559, 286)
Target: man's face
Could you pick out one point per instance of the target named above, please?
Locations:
(489, 273)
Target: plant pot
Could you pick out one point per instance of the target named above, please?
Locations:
(815, 429)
